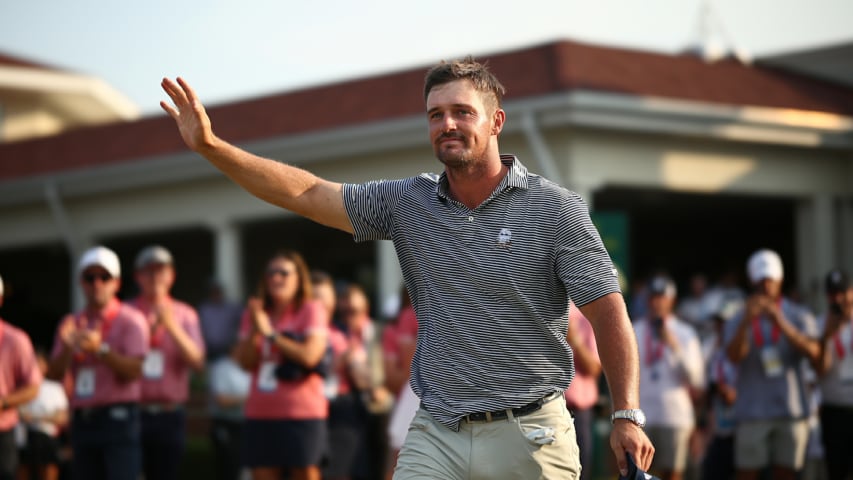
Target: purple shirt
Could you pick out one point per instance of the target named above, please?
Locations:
(18, 368)
(220, 322)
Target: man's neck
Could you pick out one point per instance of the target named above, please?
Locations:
(99, 309)
(472, 186)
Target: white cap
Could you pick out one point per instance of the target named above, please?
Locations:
(764, 264)
(155, 254)
(662, 285)
(102, 257)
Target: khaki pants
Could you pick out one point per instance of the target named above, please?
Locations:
(540, 445)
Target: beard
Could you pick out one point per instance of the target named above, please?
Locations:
(456, 157)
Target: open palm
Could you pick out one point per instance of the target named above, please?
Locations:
(188, 113)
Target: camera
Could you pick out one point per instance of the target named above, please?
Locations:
(289, 371)
(835, 308)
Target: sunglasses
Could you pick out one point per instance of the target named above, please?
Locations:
(91, 277)
(272, 272)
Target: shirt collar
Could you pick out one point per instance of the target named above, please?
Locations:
(516, 177)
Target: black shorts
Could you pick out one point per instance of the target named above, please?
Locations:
(41, 449)
(283, 443)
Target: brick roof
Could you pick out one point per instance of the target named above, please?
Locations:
(7, 60)
(537, 70)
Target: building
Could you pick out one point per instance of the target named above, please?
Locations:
(687, 166)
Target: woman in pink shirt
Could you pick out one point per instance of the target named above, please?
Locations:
(582, 394)
(283, 340)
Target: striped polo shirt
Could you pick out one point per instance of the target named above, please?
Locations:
(490, 286)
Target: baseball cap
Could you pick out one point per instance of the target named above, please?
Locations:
(635, 472)
(837, 280)
(763, 264)
(102, 257)
(154, 254)
(662, 285)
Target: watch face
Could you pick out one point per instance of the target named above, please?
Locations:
(640, 417)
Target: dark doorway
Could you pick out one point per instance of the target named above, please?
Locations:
(683, 233)
(192, 249)
(37, 289)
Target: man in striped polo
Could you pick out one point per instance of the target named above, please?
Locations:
(491, 255)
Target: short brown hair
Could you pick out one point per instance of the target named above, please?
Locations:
(467, 68)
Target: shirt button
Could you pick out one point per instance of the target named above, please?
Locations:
(471, 219)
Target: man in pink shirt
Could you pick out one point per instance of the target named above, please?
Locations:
(19, 383)
(101, 349)
(582, 393)
(175, 349)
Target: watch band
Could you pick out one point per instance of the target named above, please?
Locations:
(634, 415)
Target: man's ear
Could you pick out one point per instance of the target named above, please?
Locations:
(498, 120)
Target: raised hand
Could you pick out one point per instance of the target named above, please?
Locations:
(90, 340)
(68, 334)
(260, 318)
(189, 114)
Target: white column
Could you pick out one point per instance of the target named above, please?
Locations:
(826, 253)
(816, 248)
(228, 259)
(390, 277)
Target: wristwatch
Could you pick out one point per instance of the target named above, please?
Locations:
(103, 349)
(635, 415)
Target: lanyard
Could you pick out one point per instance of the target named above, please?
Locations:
(104, 324)
(654, 349)
(721, 376)
(839, 347)
(158, 331)
(758, 330)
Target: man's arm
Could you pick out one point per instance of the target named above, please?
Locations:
(283, 185)
(190, 351)
(617, 349)
(20, 396)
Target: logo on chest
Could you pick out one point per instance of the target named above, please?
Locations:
(504, 239)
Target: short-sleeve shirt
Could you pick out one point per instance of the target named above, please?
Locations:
(18, 368)
(226, 378)
(666, 377)
(165, 372)
(782, 395)
(270, 398)
(837, 384)
(50, 400)
(583, 391)
(490, 285)
(95, 384)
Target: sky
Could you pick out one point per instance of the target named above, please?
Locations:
(231, 50)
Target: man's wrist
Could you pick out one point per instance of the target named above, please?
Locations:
(633, 415)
